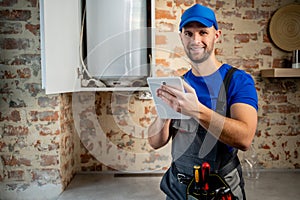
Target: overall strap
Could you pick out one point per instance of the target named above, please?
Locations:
(225, 163)
(221, 106)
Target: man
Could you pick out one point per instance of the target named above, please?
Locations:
(193, 140)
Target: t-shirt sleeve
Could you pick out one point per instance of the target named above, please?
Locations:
(242, 89)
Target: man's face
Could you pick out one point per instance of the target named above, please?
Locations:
(198, 41)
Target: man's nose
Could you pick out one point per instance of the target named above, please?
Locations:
(197, 37)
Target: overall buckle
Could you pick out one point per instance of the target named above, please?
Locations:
(182, 178)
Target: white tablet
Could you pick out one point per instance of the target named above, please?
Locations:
(163, 110)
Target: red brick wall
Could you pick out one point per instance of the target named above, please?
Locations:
(36, 144)
(245, 43)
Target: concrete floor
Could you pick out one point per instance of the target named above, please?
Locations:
(271, 185)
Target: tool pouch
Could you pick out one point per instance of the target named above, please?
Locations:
(217, 189)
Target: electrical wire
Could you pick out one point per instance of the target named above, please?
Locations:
(84, 68)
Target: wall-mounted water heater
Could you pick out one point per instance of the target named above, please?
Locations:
(118, 41)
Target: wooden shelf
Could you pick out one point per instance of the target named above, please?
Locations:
(280, 72)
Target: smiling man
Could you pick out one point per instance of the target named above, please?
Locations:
(213, 134)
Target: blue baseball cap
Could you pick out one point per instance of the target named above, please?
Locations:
(201, 14)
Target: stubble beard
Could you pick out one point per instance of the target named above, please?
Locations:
(205, 55)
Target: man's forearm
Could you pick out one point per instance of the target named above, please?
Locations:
(237, 131)
(158, 133)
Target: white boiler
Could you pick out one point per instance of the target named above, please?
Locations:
(118, 41)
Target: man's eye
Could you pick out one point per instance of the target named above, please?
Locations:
(203, 33)
(188, 34)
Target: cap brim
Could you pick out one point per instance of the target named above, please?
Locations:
(203, 21)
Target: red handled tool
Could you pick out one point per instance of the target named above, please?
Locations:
(205, 175)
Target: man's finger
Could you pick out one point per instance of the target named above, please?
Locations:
(187, 87)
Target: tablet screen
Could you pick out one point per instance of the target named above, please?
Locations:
(163, 110)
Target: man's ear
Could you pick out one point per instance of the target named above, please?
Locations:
(218, 35)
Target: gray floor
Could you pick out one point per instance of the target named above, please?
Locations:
(274, 185)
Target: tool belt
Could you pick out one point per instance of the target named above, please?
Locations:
(209, 186)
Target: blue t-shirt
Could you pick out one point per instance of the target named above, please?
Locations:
(241, 88)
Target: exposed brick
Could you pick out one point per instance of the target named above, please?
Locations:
(15, 15)
(10, 28)
(161, 73)
(8, 74)
(290, 86)
(95, 167)
(279, 63)
(5, 89)
(275, 87)
(8, 3)
(288, 108)
(225, 26)
(53, 146)
(273, 156)
(44, 116)
(12, 116)
(265, 146)
(296, 154)
(23, 59)
(169, 4)
(12, 74)
(267, 4)
(24, 73)
(251, 63)
(281, 86)
(13, 161)
(245, 38)
(164, 14)
(178, 2)
(48, 101)
(162, 62)
(144, 122)
(40, 174)
(160, 39)
(39, 146)
(241, 38)
(32, 3)
(34, 29)
(219, 4)
(218, 51)
(9, 130)
(9, 160)
(246, 3)
(48, 160)
(266, 51)
(13, 43)
(24, 161)
(180, 71)
(256, 14)
(85, 158)
(2, 146)
(269, 108)
(245, 63)
(178, 52)
(189, 2)
(33, 88)
(276, 98)
(266, 38)
(166, 27)
(48, 131)
(17, 103)
(16, 175)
